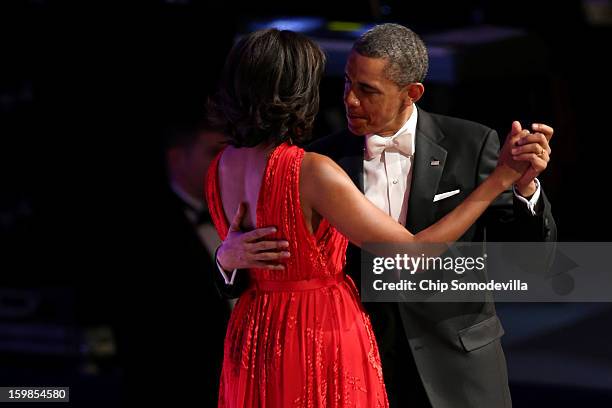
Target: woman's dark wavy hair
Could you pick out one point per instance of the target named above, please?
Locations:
(269, 89)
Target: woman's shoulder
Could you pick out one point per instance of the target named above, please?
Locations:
(318, 167)
(316, 161)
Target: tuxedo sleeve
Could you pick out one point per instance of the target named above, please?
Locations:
(234, 290)
(508, 219)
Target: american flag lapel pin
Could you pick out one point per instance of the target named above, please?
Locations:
(434, 162)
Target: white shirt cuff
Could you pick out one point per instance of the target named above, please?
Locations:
(227, 280)
(531, 203)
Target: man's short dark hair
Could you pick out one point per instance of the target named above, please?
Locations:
(401, 47)
(270, 88)
(184, 132)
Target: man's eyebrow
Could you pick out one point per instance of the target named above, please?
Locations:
(363, 84)
(368, 86)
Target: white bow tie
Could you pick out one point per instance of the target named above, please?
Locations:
(375, 144)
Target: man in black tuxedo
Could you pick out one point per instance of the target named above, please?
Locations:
(417, 167)
(203, 314)
(179, 333)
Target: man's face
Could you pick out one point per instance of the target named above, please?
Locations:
(373, 103)
(191, 162)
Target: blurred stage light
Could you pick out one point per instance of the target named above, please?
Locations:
(297, 24)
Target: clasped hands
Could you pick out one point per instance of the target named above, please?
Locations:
(528, 154)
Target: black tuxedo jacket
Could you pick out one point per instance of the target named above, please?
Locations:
(455, 346)
(175, 339)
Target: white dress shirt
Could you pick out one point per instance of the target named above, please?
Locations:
(387, 177)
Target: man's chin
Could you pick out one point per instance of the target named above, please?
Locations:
(357, 130)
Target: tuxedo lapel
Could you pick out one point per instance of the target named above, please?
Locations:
(429, 160)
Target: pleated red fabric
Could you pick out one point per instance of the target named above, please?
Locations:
(298, 337)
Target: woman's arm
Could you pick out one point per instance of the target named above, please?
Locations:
(329, 191)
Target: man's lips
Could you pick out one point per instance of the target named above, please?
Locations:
(351, 116)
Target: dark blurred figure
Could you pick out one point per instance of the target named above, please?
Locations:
(189, 152)
(175, 336)
(199, 315)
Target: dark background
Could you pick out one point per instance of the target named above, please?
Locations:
(86, 90)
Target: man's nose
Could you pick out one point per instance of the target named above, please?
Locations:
(350, 99)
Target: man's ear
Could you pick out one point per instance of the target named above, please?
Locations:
(415, 91)
(174, 156)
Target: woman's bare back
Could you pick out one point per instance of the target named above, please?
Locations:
(240, 175)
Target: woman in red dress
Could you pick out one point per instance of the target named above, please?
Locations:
(299, 336)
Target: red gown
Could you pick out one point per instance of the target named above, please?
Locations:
(297, 337)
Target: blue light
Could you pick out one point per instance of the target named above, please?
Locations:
(297, 24)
